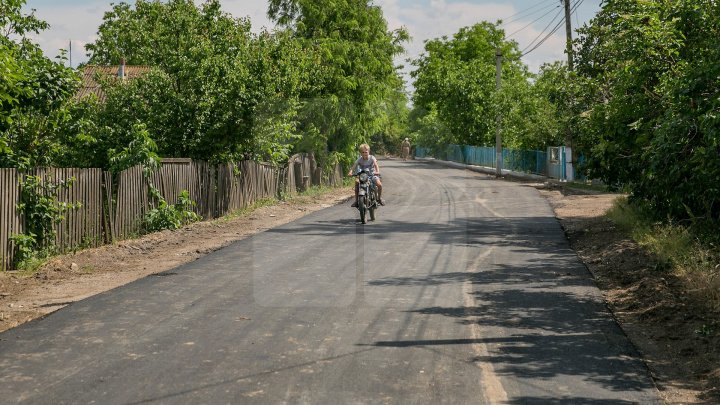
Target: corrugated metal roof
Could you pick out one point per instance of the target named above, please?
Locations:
(90, 73)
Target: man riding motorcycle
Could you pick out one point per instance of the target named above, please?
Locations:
(367, 161)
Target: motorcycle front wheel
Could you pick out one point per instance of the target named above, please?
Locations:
(363, 208)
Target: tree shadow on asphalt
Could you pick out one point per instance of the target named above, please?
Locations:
(552, 321)
(552, 326)
(522, 232)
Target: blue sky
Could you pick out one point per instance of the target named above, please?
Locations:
(526, 20)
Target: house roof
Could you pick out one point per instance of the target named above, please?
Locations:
(90, 73)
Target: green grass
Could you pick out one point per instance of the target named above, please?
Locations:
(679, 249)
(265, 202)
(29, 267)
(309, 195)
(87, 269)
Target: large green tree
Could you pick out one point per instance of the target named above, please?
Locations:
(356, 83)
(455, 89)
(652, 88)
(219, 92)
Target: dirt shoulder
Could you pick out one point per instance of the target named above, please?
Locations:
(664, 323)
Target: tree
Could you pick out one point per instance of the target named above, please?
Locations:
(33, 92)
(652, 88)
(220, 93)
(562, 89)
(455, 86)
(355, 79)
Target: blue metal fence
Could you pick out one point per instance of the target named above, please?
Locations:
(525, 161)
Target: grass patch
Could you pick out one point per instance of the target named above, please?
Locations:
(310, 195)
(265, 202)
(29, 267)
(87, 269)
(679, 249)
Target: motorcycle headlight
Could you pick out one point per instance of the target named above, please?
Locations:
(363, 176)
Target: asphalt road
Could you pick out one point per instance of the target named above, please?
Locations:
(464, 291)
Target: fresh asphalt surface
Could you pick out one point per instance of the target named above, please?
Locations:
(464, 291)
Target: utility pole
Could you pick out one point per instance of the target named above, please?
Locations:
(498, 117)
(70, 52)
(568, 34)
(569, 51)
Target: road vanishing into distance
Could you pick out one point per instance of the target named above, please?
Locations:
(464, 291)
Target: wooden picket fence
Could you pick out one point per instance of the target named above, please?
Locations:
(112, 207)
(10, 221)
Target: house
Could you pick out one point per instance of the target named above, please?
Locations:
(91, 73)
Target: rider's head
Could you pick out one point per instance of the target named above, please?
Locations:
(364, 150)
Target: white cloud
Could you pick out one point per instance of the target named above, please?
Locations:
(443, 18)
(76, 23)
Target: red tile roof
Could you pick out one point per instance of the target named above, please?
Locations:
(90, 73)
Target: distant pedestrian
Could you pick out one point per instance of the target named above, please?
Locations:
(405, 149)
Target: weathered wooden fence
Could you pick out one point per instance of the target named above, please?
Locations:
(303, 172)
(112, 207)
(10, 221)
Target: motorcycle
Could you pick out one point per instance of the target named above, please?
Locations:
(367, 201)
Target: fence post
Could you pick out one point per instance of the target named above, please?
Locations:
(297, 169)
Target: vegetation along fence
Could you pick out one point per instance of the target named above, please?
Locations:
(112, 207)
(526, 161)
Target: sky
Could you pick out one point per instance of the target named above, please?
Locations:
(525, 21)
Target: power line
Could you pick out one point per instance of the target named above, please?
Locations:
(524, 14)
(548, 3)
(573, 8)
(536, 20)
(545, 29)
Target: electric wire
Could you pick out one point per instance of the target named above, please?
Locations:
(536, 20)
(572, 9)
(528, 9)
(524, 14)
(544, 30)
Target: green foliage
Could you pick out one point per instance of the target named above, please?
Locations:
(219, 92)
(456, 99)
(33, 92)
(561, 91)
(354, 84)
(169, 216)
(10, 86)
(429, 131)
(41, 211)
(678, 248)
(651, 86)
(140, 151)
(24, 248)
(395, 124)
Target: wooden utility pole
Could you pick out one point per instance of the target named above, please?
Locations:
(569, 51)
(568, 34)
(498, 117)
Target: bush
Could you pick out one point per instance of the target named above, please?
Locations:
(169, 216)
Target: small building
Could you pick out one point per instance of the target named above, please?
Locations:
(91, 73)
